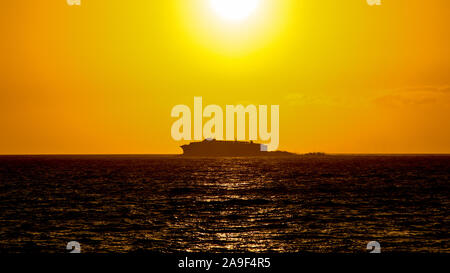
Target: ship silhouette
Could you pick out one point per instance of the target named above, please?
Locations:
(213, 147)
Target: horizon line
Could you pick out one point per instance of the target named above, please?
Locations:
(149, 154)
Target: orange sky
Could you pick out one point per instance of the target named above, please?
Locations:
(103, 77)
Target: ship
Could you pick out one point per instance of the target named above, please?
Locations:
(213, 147)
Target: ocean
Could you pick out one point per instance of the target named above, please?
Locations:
(168, 204)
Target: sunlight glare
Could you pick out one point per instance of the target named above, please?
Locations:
(234, 10)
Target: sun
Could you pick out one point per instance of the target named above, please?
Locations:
(234, 10)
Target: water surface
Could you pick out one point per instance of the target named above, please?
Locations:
(167, 204)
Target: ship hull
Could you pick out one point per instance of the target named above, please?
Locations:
(222, 148)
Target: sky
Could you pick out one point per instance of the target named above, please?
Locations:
(102, 77)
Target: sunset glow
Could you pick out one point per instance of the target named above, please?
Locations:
(103, 77)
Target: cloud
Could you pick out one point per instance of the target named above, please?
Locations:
(414, 96)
